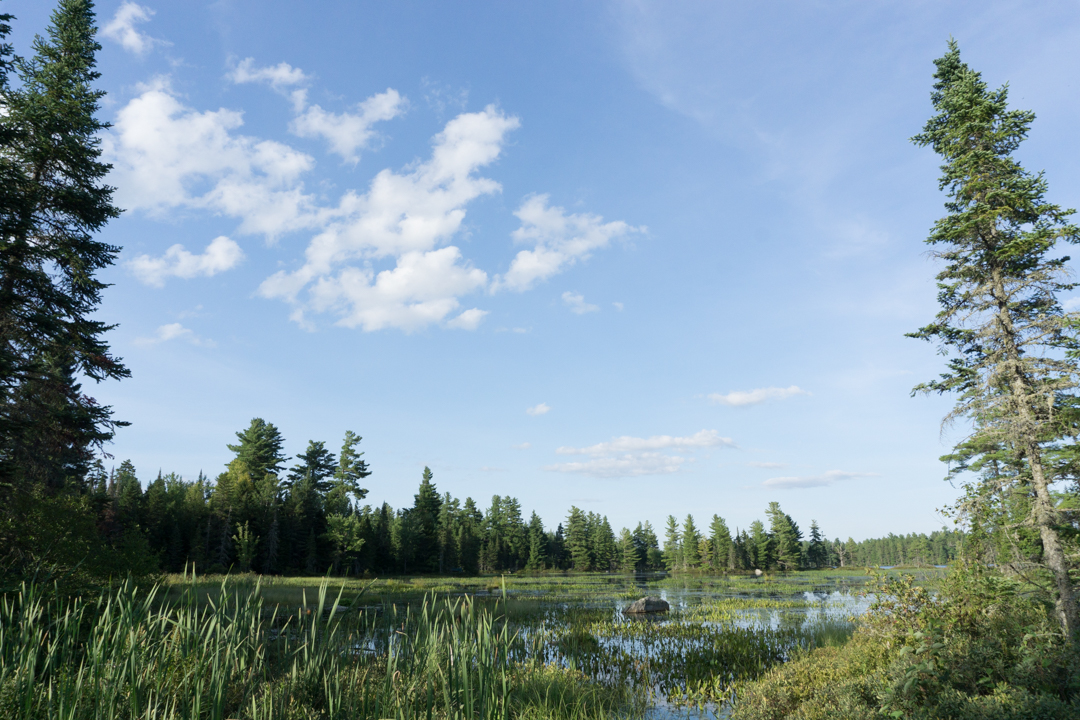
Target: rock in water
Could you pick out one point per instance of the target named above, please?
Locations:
(647, 605)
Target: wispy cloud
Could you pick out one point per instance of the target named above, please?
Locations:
(767, 465)
(174, 331)
(809, 481)
(629, 465)
(626, 443)
(740, 398)
(541, 409)
(576, 303)
(629, 456)
(122, 29)
(522, 446)
(220, 255)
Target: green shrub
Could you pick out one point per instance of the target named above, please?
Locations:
(984, 647)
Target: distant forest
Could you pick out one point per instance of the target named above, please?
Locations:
(310, 518)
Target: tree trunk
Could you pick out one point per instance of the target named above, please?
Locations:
(1043, 510)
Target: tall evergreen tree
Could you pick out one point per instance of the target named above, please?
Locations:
(53, 201)
(316, 463)
(425, 522)
(720, 537)
(672, 544)
(577, 540)
(260, 448)
(691, 540)
(1012, 349)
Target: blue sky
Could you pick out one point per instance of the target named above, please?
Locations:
(640, 257)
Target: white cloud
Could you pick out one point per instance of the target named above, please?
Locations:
(220, 255)
(577, 303)
(122, 29)
(618, 306)
(347, 133)
(560, 240)
(541, 409)
(630, 465)
(739, 398)
(767, 465)
(280, 77)
(628, 456)
(626, 443)
(1071, 305)
(468, 320)
(174, 331)
(809, 481)
(166, 155)
(404, 216)
(523, 446)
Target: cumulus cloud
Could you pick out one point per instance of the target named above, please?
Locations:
(122, 29)
(740, 398)
(577, 304)
(166, 155)
(404, 216)
(220, 255)
(560, 240)
(174, 331)
(347, 133)
(626, 443)
(541, 409)
(630, 465)
(810, 481)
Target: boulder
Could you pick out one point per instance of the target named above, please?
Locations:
(647, 605)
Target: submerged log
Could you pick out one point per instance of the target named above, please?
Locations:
(647, 605)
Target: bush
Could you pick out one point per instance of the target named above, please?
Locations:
(984, 647)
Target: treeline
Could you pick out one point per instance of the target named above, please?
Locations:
(782, 546)
(309, 518)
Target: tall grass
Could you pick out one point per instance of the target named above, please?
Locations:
(132, 654)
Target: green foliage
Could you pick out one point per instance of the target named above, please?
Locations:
(982, 647)
(1012, 349)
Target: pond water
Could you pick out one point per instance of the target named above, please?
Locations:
(719, 630)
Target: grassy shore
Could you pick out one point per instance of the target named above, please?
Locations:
(523, 647)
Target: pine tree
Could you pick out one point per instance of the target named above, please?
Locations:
(316, 463)
(260, 448)
(720, 537)
(629, 552)
(537, 541)
(577, 540)
(672, 544)
(53, 201)
(424, 518)
(1012, 349)
(816, 553)
(691, 541)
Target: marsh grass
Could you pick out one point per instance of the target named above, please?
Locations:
(529, 647)
(130, 654)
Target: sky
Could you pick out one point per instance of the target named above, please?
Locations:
(645, 258)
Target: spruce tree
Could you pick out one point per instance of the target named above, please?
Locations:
(1012, 349)
(720, 537)
(53, 201)
(424, 518)
(672, 544)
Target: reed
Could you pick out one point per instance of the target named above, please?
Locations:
(132, 654)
